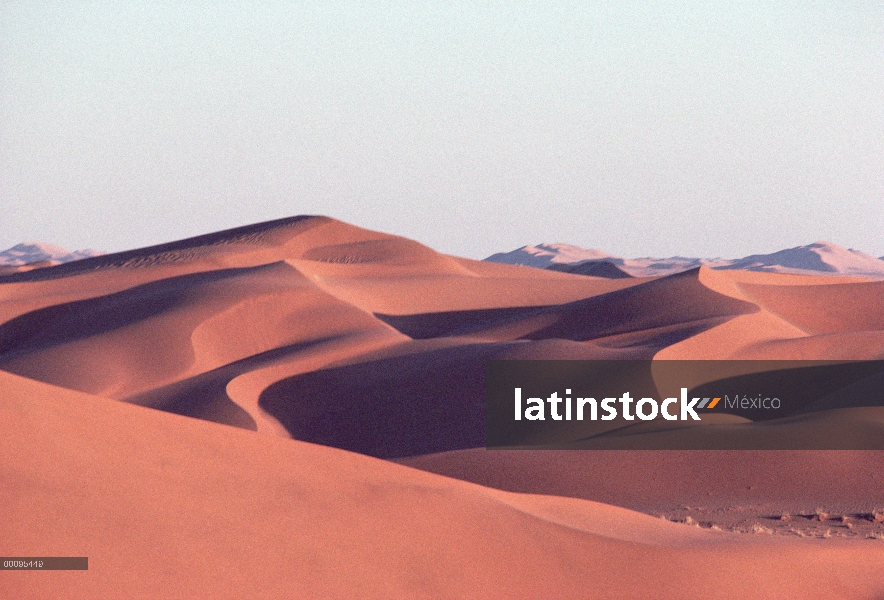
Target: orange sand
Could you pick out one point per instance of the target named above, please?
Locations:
(356, 340)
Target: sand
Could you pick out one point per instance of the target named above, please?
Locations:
(149, 399)
(165, 506)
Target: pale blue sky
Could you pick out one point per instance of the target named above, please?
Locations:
(640, 128)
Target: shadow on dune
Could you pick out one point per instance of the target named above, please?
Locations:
(592, 268)
(400, 406)
(424, 401)
(62, 323)
(667, 305)
(204, 396)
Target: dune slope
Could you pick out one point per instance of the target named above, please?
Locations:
(169, 507)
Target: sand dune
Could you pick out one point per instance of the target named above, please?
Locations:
(167, 507)
(828, 309)
(313, 329)
(149, 335)
(314, 306)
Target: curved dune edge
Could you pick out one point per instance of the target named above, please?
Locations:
(800, 317)
(168, 507)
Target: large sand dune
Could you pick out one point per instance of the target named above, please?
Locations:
(312, 329)
(168, 507)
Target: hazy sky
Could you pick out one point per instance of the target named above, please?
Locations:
(640, 128)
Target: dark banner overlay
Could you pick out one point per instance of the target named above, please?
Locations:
(44, 563)
(684, 404)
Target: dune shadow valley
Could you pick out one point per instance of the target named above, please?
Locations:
(297, 409)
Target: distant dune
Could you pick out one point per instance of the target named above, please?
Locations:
(354, 341)
(593, 268)
(545, 255)
(29, 254)
(813, 259)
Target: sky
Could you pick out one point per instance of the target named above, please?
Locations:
(641, 128)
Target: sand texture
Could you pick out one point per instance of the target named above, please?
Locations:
(296, 409)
